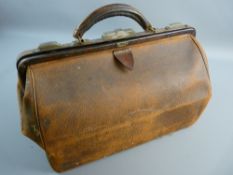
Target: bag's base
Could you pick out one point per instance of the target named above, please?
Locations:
(131, 134)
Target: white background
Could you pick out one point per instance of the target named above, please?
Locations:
(204, 148)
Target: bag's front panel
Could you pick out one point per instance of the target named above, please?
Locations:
(90, 107)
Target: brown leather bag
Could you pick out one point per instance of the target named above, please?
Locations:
(92, 98)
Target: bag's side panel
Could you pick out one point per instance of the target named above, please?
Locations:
(202, 52)
(90, 107)
(29, 121)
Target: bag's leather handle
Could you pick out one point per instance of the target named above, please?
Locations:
(111, 11)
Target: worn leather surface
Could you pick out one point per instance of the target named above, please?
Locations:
(89, 106)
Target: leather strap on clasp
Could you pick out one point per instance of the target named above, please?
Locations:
(125, 57)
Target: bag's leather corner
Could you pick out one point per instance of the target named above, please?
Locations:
(54, 164)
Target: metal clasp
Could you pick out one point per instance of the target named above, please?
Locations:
(49, 45)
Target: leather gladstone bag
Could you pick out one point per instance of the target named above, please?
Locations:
(91, 98)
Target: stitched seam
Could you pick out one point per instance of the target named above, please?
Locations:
(202, 55)
(36, 106)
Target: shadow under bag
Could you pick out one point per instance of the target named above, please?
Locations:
(88, 99)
